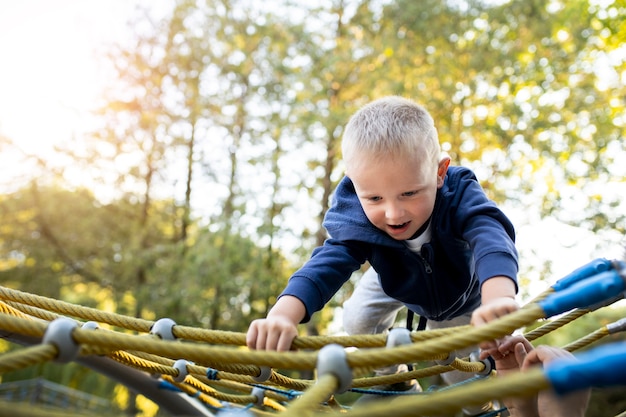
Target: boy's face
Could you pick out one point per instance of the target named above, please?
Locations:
(397, 194)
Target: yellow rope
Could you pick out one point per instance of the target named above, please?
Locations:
(73, 310)
(7, 309)
(235, 367)
(467, 366)
(310, 400)
(555, 324)
(142, 364)
(42, 307)
(188, 389)
(23, 326)
(429, 348)
(587, 340)
(216, 356)
(33, 311)
(19, 359)
(448, 401)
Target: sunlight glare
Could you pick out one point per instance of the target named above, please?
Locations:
(53, 72)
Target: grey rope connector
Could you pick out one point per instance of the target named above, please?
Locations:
(59, 334)
(163, 329)
(181, 366)
(259, 393)
(489, 364)
(265, 374)
(331, 359)
(617, 326)
(398, 336)
(90, 325)
(447, 361)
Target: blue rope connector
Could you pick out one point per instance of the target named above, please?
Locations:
(212, 374)
(600, 367)
(603, 286)
(592, 268)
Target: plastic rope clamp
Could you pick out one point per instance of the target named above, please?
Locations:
(398, 336)
(265, 374)
(181, 366)
(59, 333)
(447, 361)
(616, 327)
(163, 329)
(259, 393)
(592, 268)
(235, 412)
(331, 359)
(600, 367)
(488, 362)
(90, 325)
(582, 294)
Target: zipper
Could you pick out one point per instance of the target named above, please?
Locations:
(427, 267)
(425, 255)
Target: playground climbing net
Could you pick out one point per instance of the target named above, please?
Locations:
(197, 372)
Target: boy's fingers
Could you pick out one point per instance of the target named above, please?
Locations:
(284, 343)
(251, 336)
(520, 353)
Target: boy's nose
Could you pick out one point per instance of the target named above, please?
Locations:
(394, 212)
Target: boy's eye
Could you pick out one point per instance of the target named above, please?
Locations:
(409, 193)
(374, 198)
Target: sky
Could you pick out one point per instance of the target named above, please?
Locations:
(50, 79)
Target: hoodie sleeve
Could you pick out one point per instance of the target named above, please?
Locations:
(484, 226)
(330, 266)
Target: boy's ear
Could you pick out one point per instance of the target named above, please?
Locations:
(442, 169)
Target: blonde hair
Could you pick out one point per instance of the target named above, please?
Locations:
(391, 127)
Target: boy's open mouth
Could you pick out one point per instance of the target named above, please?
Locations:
(398, 226)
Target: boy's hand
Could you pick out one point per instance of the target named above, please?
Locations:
(495, 309)
(509, 358)
(272, 333)
(516, 353)
(277, 331)
(498, 300)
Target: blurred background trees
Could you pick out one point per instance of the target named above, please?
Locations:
(216, 150)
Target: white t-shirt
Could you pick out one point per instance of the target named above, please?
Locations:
(416, 244)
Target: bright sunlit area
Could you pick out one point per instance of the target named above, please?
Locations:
(53, 70)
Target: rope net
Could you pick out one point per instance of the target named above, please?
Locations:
(216, 374)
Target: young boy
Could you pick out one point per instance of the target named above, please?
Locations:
(435, 242)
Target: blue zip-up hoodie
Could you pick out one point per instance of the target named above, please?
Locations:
(472, 241)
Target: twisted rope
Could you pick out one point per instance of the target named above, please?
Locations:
(555, 324)
(12, 361)
(234, 368)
